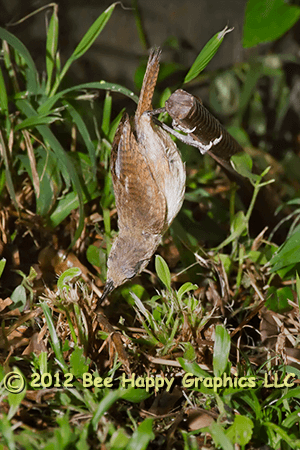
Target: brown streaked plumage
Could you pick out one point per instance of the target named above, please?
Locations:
(149, 183)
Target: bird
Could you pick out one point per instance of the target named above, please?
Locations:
(148, 178)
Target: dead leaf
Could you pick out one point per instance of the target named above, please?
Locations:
(35, 346)
(198, 419)
(5, 303)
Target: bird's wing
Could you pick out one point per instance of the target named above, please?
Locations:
(140, 204)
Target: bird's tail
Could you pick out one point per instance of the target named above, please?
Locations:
(149, 82)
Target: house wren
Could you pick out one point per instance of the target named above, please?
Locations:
(149, 182)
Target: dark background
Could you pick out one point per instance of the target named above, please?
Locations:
(116, 53)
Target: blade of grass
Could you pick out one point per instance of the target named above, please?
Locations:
(114, 125)
(139, 25)
(9, 182)
(32, 122)
(283, 434)
(63, 157)
(51, 47)
(3, 95)
(8, 432)
(48, 104)
(141, 436)
(2, 265)
(104, 406)
(69, 202)
(298, 288)
(206, 54)
(85, 43)
(193, 368)
(163, 271)
(220, 437)
(54, 338)
(221, 350)
(106, 113)
(76, 117)
(32, 160)
(32, 82)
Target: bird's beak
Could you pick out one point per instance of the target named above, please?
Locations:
(108, 288)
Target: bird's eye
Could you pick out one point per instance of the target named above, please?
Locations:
(129, 273)
(132, 272)
(138, 266)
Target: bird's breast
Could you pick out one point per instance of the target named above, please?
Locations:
(164, 161)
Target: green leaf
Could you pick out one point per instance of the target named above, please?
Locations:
(242, 163)
(66, 277)
(51, 47)
(32, 275)
(297, 287)
(106, 113)
(70, 202)
(86, 42)
(239, 224)
(189, 352)
(240, 432)
(221, 350)
(7, 430)
(142, 436)
(32, 74)
(163, 271)
(294, 443)
(114, 125)
(79, 363)
(104, 406)
(186, 287)
(62, 156)
(48, 104)
(219, 437)
(49, 178)
(19, 297)
(93, 255)
(193, 368)
(238, 227)
(55, 341)
(267, 20)
(9, 182)
(240, 135)
(2, 265)
(135, 395)
(290, 420)
(291, 393)
(82, 128)
(119, 440)
(258, 257)
(3, 95)
(206, 54)
(14, 399)
(278, 299)
(32, 122)
(287, 254)
(43, 362)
